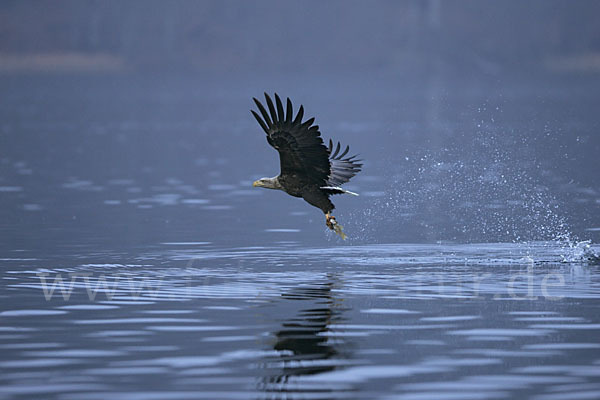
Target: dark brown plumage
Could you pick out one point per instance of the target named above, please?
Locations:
(309, 169)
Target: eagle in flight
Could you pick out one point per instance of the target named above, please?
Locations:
(309, 169)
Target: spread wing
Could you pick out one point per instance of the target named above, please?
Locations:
(301, 149)
(342, 169)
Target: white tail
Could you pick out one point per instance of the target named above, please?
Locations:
(339, 189)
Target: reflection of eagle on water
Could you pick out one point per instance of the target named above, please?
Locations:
(306, 343)
(309, 169)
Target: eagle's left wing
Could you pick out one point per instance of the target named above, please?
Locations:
(301, 149)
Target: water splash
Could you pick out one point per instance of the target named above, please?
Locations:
(579, 252)
(448, 197)
(490, 188)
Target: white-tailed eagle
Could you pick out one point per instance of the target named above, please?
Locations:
(309, 169)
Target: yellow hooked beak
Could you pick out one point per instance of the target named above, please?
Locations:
(256, 183)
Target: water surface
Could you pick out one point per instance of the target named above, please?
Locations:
(137, 262)
(191, 320)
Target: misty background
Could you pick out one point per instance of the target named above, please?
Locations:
(300, 37)
(128, 122)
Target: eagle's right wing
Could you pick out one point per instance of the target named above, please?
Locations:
(342, 169)
(301, 149)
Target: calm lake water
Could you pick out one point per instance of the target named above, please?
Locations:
(191, 320)
(137, 261)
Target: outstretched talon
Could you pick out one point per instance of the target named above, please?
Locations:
(330, 221)
(334, 226)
